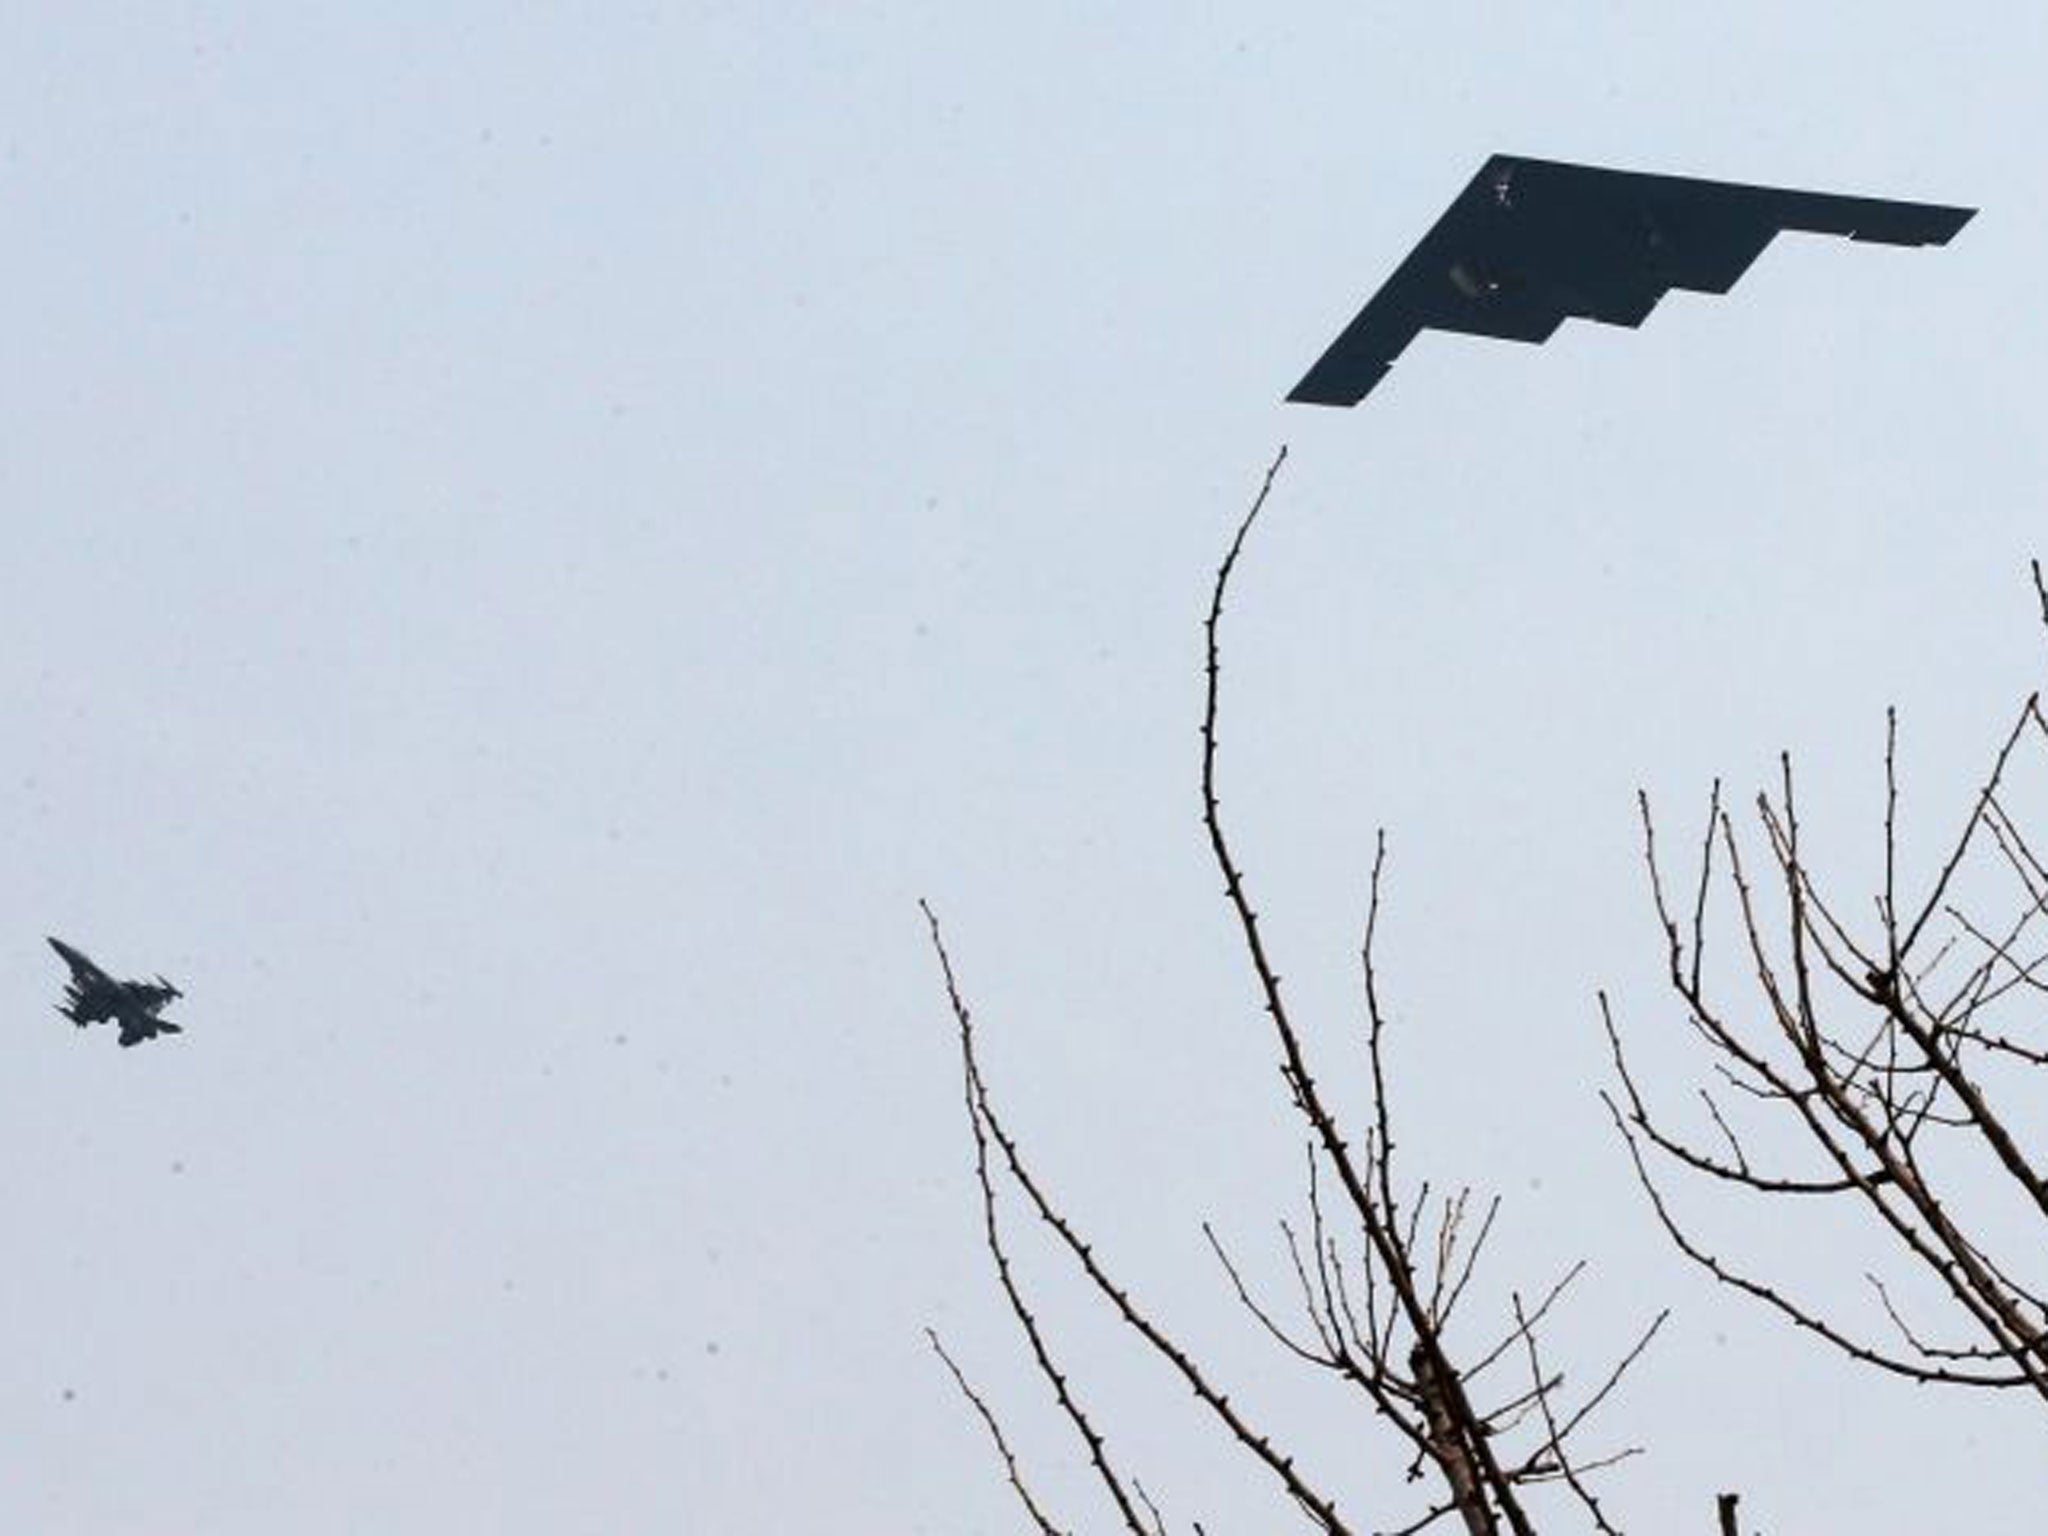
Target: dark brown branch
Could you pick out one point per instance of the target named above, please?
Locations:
(1011, 1469)
(1554, 1436)
(1041, 1353)
(1867, 1104)
(1376, 1299)
(1472, 1452)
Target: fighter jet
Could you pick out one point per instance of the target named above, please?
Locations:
(1530, 244)
(94, 997)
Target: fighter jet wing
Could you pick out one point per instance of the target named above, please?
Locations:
(1531, 243)
(90, 1009)
(90, 997)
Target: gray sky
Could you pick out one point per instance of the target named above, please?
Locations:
(531, 542)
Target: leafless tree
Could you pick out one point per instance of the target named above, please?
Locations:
(1380, 1268)
(1897, 1038)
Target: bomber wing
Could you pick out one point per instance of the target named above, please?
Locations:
(1531, 243)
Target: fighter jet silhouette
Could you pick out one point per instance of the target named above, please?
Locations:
(94, 997)
(1531, 243)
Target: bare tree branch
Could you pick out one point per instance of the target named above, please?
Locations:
(1379, 1274)
(1892, 1100)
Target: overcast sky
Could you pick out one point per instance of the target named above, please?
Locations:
(535, 534)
